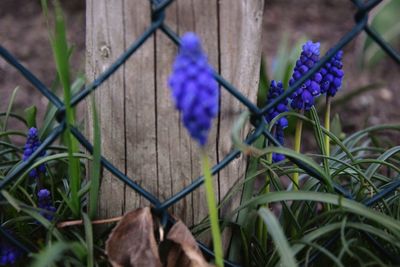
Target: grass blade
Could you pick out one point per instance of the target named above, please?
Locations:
(96, 166)
(61, 55)
(9, 108)
(89, 239)
(51, 254)
(281, 244)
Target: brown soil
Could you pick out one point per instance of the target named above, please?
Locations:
(23, 32)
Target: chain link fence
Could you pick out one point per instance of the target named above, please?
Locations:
(160, 208)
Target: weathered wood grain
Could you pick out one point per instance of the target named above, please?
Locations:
(105, 42)
(240, 53)
(140, 105)
(141, 130)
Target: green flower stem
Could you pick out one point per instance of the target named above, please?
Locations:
(264, 239)
(262, 227)
(327, 124)
(212, 208)
(262, 232)
(297, 146)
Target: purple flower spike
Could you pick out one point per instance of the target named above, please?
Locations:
(194, 89)
(275, 90)
(279, 135)
(32, 143)
(332, 74)
(44, 202)
(303, 97)
(9, 254)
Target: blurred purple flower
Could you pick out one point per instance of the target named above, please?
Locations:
(45, 203)
(32, 143)
(9, 254)
(194, 89)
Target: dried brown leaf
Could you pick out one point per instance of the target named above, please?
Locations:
(184, 251)
(132, 242)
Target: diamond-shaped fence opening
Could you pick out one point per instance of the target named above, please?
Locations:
(158, 9)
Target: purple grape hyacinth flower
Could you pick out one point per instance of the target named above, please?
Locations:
(280, 137)
(303, 97)
(44, 202)
(32, 143)
(275, 90)
(194, 89)
(9, 254)
(332, 75)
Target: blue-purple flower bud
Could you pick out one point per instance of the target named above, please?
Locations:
(332, 75)
(32, 143)
(9, 254)
(194, 89)
(45, 203)
(303, 97)
(279, 135)
(275, 90)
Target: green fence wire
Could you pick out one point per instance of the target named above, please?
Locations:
(158, 23)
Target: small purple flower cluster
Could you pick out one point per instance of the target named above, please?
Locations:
(303, 97)
(45, 203)
(328, 80)
(275, 90)
(32, 143)
(194, 89)
(332, 74)
(279, 135)
(9, 254)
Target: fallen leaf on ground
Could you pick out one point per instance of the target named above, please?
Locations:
(132, 242)
(184, 251)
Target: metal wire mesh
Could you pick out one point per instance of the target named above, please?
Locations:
(158, 15)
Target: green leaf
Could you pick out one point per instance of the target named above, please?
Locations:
(61, 55)
(319, 136)
(30, 116)
(11, 200)
(9, 108)
(280, 240)
(50, 116)
(89, 239)
(345, 204)
(353, 139)
(247, 194)
(375, 166)
(47, 159)
(263, 86)
(52, 253)
(336, 127)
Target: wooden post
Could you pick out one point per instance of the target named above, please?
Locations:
(141, 130)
